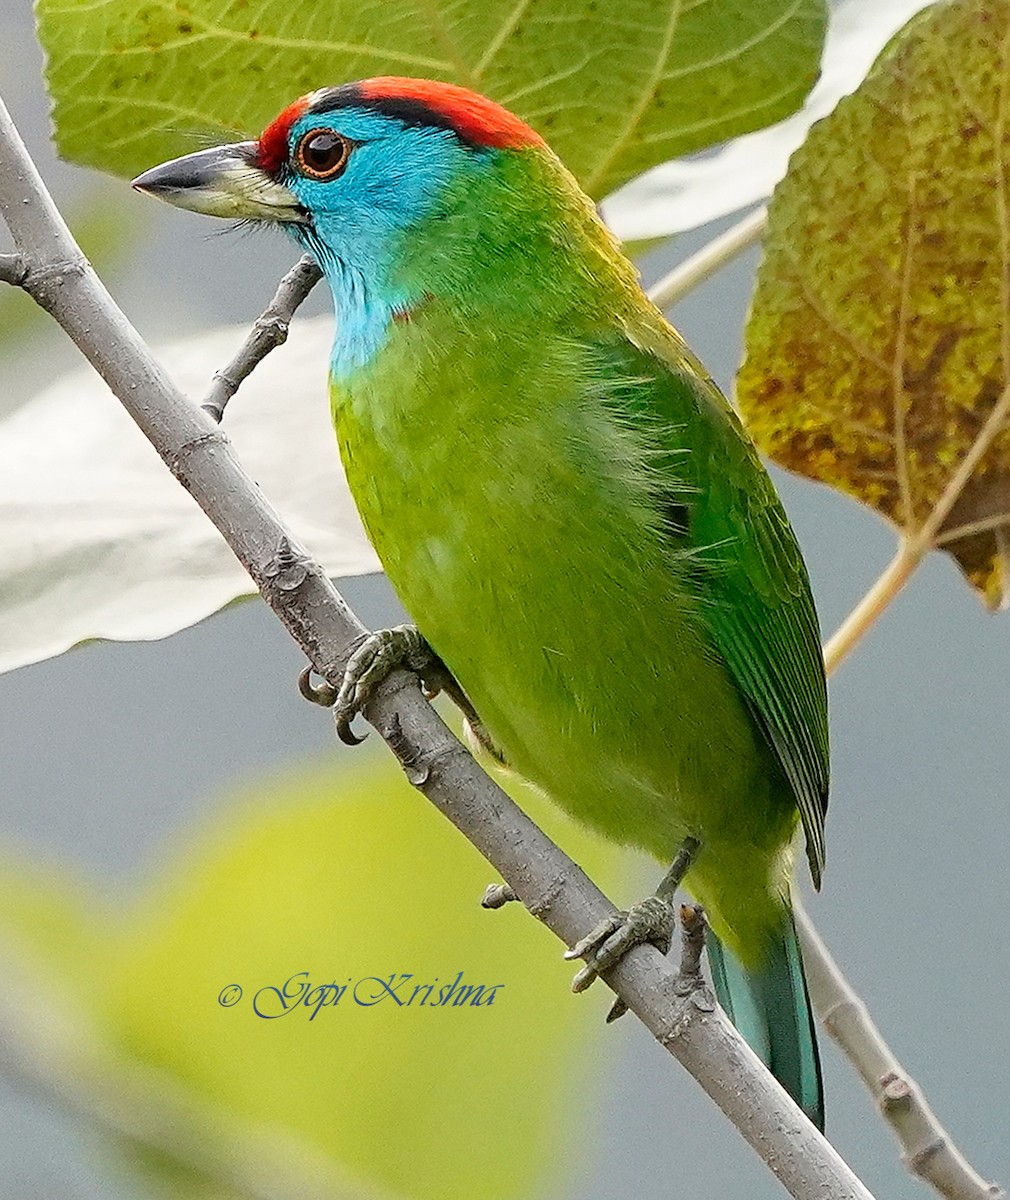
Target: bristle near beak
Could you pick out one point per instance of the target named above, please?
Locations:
(224, 181)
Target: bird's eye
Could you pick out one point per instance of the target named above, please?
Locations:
(322, 154)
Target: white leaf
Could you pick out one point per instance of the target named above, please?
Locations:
(97, 540)
(686, 193)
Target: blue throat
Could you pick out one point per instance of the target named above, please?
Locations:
(364, 304)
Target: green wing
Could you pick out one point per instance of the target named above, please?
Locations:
(742, 561)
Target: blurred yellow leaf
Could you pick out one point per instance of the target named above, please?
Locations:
(879, 340)
(50, 914)
(320, 881)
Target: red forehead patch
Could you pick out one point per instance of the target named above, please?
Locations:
(273, 143)
(476, 118)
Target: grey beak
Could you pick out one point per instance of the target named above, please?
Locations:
(199, 170)
(224, 181)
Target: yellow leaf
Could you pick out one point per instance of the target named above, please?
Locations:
(226, 978)
(879, 341)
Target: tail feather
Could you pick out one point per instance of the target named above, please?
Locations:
(771, 1009)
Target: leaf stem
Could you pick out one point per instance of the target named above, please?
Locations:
(915, 545)
(694, 271)
(994, 425)
(876, 600)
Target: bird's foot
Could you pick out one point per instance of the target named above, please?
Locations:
(480, 740)
(379, 655)
(651, 922)
(376, 658)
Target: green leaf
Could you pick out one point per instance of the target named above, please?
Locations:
(347, 878)
(879, 337)
(615, 88)
(684, 194)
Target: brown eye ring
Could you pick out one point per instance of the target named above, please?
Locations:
(321, 154)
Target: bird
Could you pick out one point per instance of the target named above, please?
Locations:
(570, 511)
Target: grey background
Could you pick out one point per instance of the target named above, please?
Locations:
(106, 752)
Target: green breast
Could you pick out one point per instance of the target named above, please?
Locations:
(515, 518)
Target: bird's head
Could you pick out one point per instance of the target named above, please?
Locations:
(406, 190)
(346, 169)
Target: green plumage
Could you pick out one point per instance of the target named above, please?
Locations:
(571, 513)
(568, 508)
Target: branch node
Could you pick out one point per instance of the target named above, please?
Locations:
(421, 766)
(273, 326)
(177, 462)
(683, 1011)
(415, 763)
(703, 998)
(497, 895)
(895, 1092)
(918, 1162)
(288, 569)
(13, 269)
(40, 280)
(541, 905)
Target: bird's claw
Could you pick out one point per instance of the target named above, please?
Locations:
(651, 921)
(324, 694)
(380, 654)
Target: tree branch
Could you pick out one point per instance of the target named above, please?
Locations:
(927, 1149)
(866, 613)
(551, 886)
(269, 331)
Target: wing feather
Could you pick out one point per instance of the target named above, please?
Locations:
(746, 566)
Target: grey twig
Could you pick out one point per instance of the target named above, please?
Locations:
(269, 331)
(927, 1149)
(298, 590)
(688, 275)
